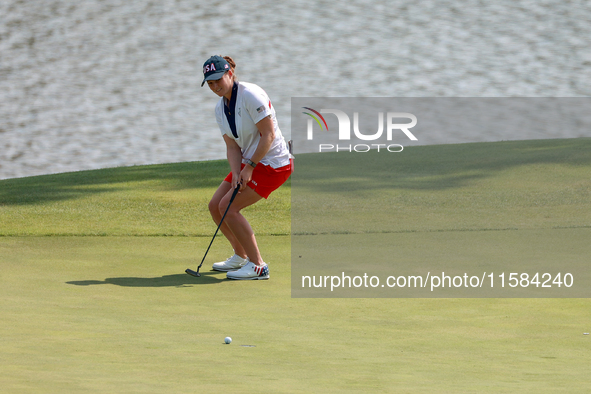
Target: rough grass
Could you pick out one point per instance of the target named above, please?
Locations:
(156, 200)
(502, 185)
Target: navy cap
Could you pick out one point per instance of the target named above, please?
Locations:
(214, 68)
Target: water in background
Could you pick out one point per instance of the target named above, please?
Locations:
(98, 84)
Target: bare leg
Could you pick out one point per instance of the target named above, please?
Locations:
(239, 226)
(215, 206)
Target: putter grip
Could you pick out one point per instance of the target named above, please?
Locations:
(236, 190)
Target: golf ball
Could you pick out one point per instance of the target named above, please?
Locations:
(228, 340)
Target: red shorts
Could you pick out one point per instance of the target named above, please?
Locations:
(266, 179)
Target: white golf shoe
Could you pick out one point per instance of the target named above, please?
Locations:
(250, 272)
(233, 263)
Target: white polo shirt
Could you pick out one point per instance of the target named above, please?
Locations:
(253, 105)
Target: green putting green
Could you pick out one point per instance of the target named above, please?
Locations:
(94, 297)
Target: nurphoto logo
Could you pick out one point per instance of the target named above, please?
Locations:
(344, 130)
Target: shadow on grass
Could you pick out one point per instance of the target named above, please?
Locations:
(177, 280)
(71, 185)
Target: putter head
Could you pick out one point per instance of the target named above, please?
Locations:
(192, 273)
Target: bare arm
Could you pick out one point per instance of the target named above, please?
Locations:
(234, 155)
(267, 131)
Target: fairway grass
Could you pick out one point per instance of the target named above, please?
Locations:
(94, 297)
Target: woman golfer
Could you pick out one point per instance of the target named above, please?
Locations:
(259, 162)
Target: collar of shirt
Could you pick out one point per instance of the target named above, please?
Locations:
(230, 108)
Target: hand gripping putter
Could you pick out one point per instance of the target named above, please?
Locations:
(196, 273)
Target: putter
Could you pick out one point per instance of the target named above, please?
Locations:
(196, 273)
